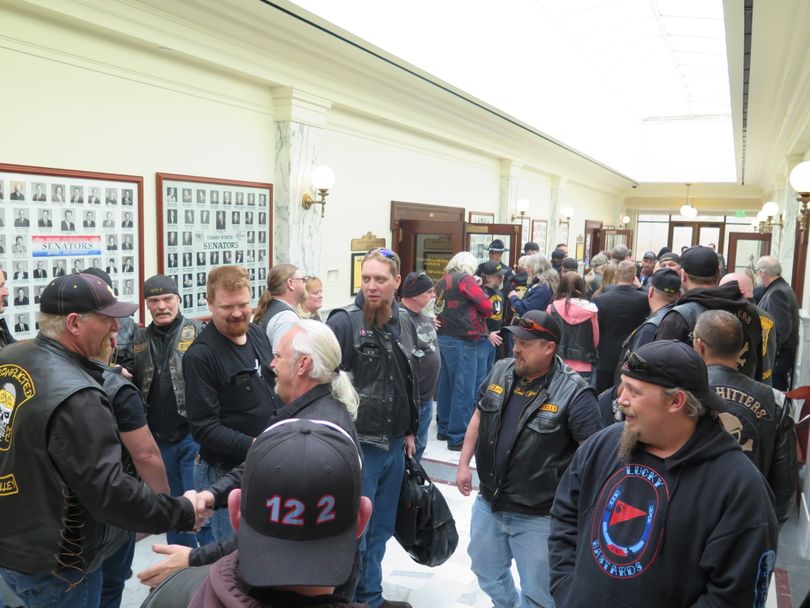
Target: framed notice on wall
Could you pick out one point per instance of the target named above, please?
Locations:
(57, 221)
(206, 222)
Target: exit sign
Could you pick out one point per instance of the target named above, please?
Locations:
(739, 213)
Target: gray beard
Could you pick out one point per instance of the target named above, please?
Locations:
(627, 443)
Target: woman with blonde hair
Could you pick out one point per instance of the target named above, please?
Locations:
(310, 307)
(608, 277)
(543, 281)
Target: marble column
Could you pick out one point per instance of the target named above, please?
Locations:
(556, 232)
(509, 190)
(300, 120)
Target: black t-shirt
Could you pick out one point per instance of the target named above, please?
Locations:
(128, 409)
(495, 296)
(429, 364)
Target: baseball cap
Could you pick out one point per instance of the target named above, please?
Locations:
(98, 272)
(416, 283)
(558, 254)
(671, 363)
(300, 500)
(490, 268)
(535, 325)
(497, 245)
(82, 293)
(570, 264)
(159, 285)
(666, 280)
(598, 260)
(650, 255)
(700, 261)
(531, 246)
(669, 256)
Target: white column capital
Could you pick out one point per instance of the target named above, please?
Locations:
(294, 105)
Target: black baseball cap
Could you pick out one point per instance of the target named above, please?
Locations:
(666, 280)
(312, 469)
(669, 256)
(700, 261)
(159, 285)
(531, 246)
(415, 284)
(649, 255)
(98, 272)
(671, 363)
(490, 268)
(536, 325)
(570, 264)
(497, 245)
(81, 293)
(558, 254)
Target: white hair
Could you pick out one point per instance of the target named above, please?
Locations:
(464, 262)
(317, 341)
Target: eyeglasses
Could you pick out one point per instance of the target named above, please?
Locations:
(693, 337)
(533, 326)
(387, 253)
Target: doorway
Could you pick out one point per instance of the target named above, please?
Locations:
(745, 248)
(426, 236)
(687, 234)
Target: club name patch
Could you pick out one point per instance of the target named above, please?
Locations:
(16, 387)
(8, 485)
(494, 388)
(549, 407)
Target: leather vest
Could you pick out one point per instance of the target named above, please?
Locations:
(454, 309)
(576, 342)
(36, 377)
(543, 445)
(751, 417)
(373, 376)
(6, 337)
(275, 307)
(182, 338)
(113, 383)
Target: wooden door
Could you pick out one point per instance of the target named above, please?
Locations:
(428, 246)
(745, 248)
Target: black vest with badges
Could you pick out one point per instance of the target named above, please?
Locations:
(36, 377)
(454, 309)
(182, 338)
(543, 447)
(373, 376)
(576, 341)
(751, 416)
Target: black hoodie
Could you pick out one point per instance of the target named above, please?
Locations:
(695, 529)
(677, 325)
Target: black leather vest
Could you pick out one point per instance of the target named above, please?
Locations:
(576, 342)
(751, 416)
(543, 446)
(113, 383)
(145, 367)
(275, 307)
(373, 376)
(454, 309)
(35, 379)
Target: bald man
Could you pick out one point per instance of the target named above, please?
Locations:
(769, 343)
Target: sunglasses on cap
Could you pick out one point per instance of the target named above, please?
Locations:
(636, 363)
(533, 326)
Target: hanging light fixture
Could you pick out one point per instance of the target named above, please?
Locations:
(687, 210)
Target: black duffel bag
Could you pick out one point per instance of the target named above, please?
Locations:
(425, 527)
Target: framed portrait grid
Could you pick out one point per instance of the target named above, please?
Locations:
(207, 222)
(58, 221)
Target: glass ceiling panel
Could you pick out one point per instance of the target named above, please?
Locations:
(610, 64)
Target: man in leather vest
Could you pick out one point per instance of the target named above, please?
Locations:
(229, 385)
(533, 411)
(158, 351)
(377, 349)
(763, 428)
(64, 497)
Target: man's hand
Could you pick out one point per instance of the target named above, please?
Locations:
(512, 293)
(478, 280)
(200, 516)
(125, 373)
(177, 559)
(495, 338)
(410, 446)
(464, 479)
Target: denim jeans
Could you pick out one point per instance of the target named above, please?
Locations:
(204, 475)
(115, 570)
(498, 538)
(42, 590)
(382, 479)
(490, 360)
(178, 458)
(425, 414)
(457, 386)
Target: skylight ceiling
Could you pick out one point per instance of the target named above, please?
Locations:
(640, 85)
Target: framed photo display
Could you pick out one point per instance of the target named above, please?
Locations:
(539, 235)
(481, 217)
(207, 222)
(58, 221)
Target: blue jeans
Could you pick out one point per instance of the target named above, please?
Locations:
(496, 539)
(425, 414)
(457, 386)
(115, 570)
(490, 360)
(204, 475)
(382, 479)
(178, 458)
(42, 590)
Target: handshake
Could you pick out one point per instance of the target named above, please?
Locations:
(203, 504)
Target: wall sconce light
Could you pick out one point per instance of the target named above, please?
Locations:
(566, 213)
(522, 206)
(625, 220)
(765, 223)
(321, 179)
(800, 182)
(687, 209)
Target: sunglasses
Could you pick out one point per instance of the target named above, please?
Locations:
(533, 326)
(387, 253)
(636, 363)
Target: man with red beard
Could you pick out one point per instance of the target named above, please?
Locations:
(229, 384)
(663, 509)
(375, 351)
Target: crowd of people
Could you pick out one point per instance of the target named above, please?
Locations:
(270, 444)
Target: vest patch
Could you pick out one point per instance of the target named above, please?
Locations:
(139, 347)
(549, 407)
(8, 485)
(16, 387)
(183, 345)
(188, 333)
(494, 388)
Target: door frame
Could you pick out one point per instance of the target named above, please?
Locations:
(696, 226)
(514, 229)
(405, 211)
(734, 237)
